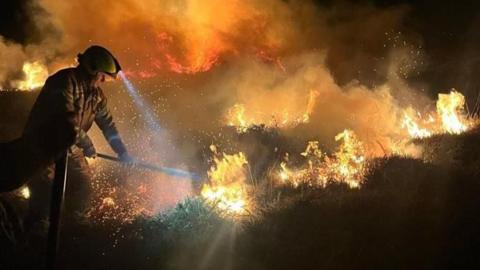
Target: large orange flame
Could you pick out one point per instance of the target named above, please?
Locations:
(226, 188)
(448, 118)
(450, 109)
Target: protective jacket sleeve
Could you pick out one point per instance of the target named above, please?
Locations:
(104, 120)
(84, 141)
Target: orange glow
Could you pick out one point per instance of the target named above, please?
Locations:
(35, 75)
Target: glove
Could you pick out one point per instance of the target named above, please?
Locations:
(90, 152)
(127, 159)
(118, 146)
(86, 144)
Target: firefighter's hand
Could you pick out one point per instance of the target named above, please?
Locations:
(90, 152)
(127, 159)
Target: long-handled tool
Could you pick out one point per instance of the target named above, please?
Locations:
(165, 170)
(58, 195)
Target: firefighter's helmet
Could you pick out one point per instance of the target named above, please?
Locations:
(98, 59)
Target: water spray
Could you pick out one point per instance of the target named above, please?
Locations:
(147, 112)
(154, 126)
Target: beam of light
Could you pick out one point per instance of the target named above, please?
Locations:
(147, 112)
(225, 233)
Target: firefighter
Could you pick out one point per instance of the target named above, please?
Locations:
(75, 90)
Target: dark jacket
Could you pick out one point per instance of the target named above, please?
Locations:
(68, 91)
(38, 148)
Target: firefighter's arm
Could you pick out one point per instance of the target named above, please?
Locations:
(104, 120)
(86, 144)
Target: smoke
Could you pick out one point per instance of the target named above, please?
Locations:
(192, 60)
(155, 36)
(152, 37)
(267, 93)
(12, 57)
(31, 37)
(267, 55)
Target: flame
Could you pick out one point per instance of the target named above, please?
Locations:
(349, 160)
(448, 118)
(24, 192)
(199, 42)
(226, 188)
(196, 63)
(411, 124)
(207, 32)
(347, 165)
(449, 108)
(291, 176)
(285, 172)
(267, 55)
(35, 75)
(238, 116)
(312, 149)
(310, 105)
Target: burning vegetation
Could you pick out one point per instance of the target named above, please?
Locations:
(349, 163)
(450, 118)
(346, 165)
(227, 188)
